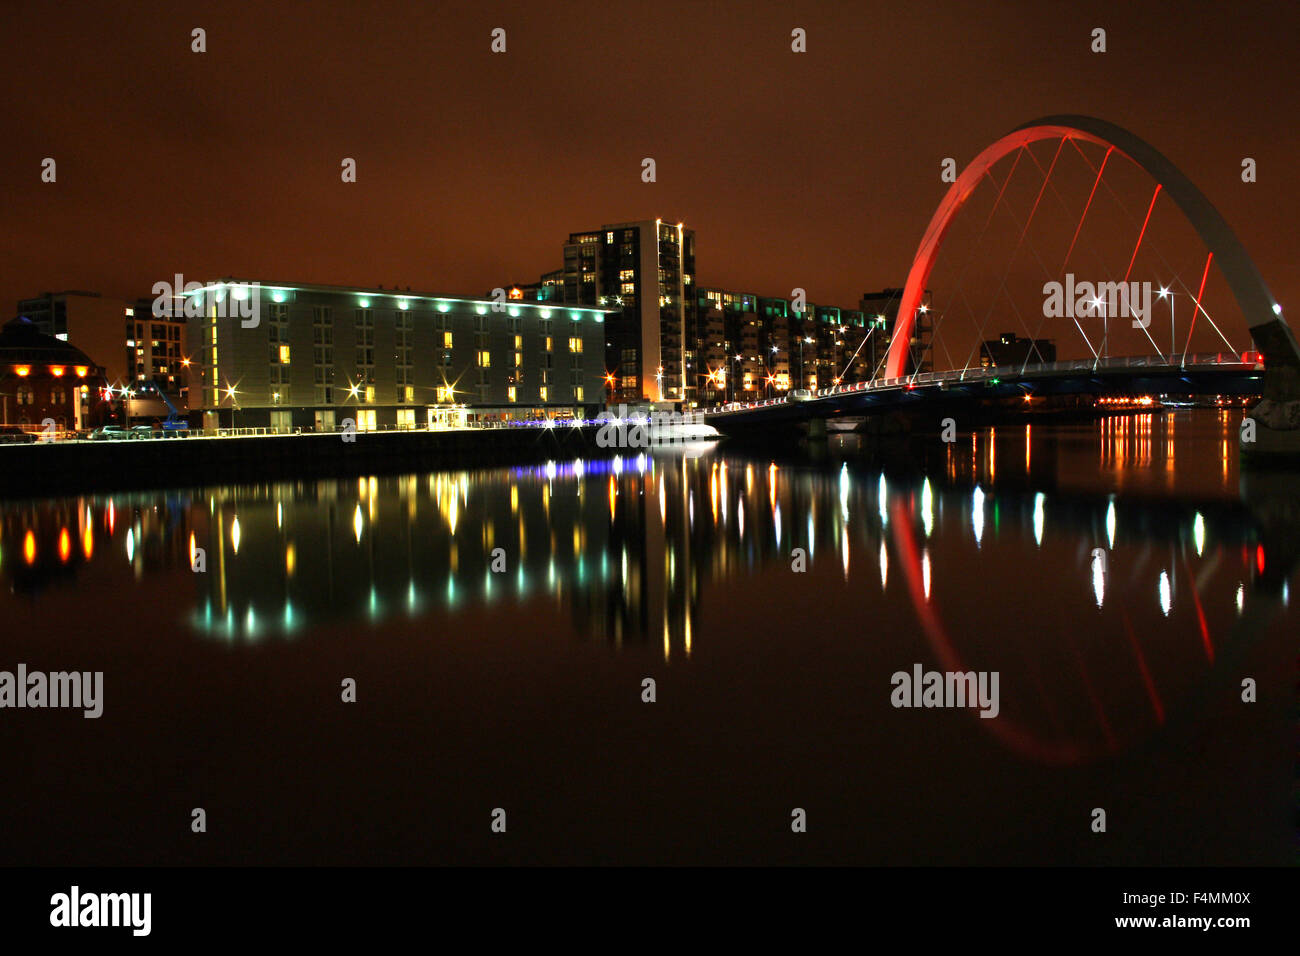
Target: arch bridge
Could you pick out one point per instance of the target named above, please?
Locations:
(1270, 368)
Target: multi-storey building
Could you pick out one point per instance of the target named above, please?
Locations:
(756, 347)
(883, 305)
(155, 340)
(645, 272)
(313, 356)
(672, 341)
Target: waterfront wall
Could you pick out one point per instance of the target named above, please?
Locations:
(85, 466)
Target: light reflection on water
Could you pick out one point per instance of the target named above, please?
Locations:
(1079, 561)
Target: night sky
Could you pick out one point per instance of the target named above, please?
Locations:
(818, 170)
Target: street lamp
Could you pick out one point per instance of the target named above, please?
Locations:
(807, 339)
(234, 406)
(1173, 342)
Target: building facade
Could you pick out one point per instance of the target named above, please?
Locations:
(753, 347)
(883, 305)
(155, 346)
(316, 356)
(670, 340)
(47, 379)
(645, 273)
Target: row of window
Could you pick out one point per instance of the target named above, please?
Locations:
(324, 394)
(26, 395)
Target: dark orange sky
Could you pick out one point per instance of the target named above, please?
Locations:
(818, 170)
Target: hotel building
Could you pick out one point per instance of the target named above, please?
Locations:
(314, 356)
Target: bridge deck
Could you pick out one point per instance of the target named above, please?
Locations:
(1178, 374)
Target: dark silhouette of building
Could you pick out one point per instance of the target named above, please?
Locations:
(1010, 349)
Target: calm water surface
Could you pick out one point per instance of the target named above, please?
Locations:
(1118, 576)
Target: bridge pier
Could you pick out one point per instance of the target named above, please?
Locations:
(817, 429)
(1276, 418)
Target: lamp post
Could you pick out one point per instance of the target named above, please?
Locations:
(802, 377)
(1173, 339)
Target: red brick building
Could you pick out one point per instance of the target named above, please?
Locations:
(43, 377)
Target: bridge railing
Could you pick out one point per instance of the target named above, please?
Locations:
(1177, 360)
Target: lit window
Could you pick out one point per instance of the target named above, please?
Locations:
(542, 391)
(484, 359)
(575, 344)
(511, 393)
(446, 340)
(284, 355)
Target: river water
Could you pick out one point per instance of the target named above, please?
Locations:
(499, 627)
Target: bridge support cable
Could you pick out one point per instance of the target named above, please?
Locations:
(970, 257)
(1132, 259)
(1096, 354)
(1014, 163)
(1087, 342)
(1141, 233)
(1095, 183)
(1201, 310)
(854, 356)
(1047, 173)
(1197, 308)
(1178, 279)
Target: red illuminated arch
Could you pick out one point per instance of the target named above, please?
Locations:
(1267, 327)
